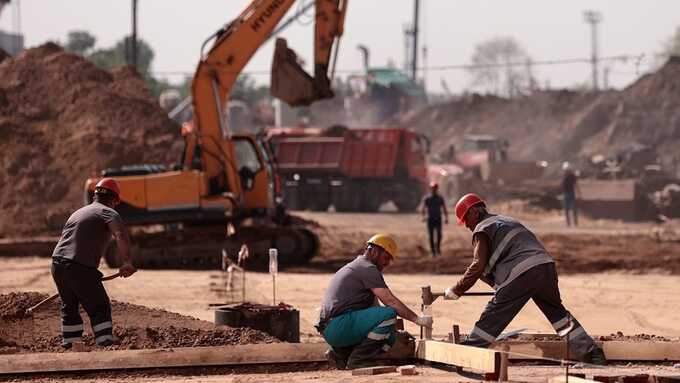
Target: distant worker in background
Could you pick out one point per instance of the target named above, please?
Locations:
(76, 258)
(509, 257)
(570, 188)
(352, 321)
(431, 210)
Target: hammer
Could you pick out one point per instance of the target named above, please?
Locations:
(429, 297)
(52, 297)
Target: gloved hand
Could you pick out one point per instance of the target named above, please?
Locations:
(450, 295)
(126, 270)
(424, 320)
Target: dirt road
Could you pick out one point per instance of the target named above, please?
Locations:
(604, 302)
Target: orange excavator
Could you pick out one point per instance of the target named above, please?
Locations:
(224, 191)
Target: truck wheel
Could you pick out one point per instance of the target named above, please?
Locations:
(408, 203)
(347, 198)
(319, 203)
(293, 200)
(370, 201)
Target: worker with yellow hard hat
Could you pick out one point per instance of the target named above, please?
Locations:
(357, 328)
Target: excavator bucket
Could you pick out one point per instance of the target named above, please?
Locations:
(289, 82)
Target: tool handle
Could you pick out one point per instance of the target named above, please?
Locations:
(110, 277)
(53, 296)
(479, 294)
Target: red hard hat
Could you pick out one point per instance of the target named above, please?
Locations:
(109, 184)
(434, 184)
(465, 203)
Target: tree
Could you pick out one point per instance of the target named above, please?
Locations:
(501, 67)
(119, 55)
(79, 42)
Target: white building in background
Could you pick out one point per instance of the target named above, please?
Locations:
(11, 43)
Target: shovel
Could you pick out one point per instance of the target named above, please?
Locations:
(52, 297)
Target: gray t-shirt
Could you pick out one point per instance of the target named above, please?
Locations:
(350, 289)
(86, 234)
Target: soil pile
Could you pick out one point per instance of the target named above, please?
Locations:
(62, 120)
(136, 327)
(559, 125)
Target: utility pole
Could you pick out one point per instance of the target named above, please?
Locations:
(133, 53)
(414, 60)
(593, 18)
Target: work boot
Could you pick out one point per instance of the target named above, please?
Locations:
(596, 356)
(365, 354)
(337, 356)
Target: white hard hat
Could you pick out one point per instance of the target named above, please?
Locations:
(566, 165)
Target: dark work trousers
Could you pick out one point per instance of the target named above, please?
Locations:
(539, 284)
(82, 285)
(434, 229)
(570, 209)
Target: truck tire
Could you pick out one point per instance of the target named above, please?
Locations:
(408, 202)
(371, 199)
(346, 198)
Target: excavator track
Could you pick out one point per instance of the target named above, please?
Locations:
(201, 247)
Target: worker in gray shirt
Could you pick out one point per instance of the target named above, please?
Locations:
(351, 321)
(76, 258)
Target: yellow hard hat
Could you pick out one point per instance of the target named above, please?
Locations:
(385, 242)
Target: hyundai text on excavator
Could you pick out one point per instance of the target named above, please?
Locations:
(223, 193)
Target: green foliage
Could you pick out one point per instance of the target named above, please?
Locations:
(79, 42)
(245, 89)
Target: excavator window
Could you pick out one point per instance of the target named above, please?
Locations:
(248, 161)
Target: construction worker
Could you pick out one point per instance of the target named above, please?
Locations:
(351, 320)
(510, 258)
(432, 208)
(570, 188)
(76, 258)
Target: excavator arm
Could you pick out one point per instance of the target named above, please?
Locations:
(232, 48)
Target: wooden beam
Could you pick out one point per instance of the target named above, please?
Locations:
(158, 358)
(480, 359)
(377, 370)
(572, 379)
(613, 350)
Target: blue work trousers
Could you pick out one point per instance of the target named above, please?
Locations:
(374, 323)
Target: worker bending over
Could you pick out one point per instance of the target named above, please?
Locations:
(355, 326)
(510, 258)
(76, 258)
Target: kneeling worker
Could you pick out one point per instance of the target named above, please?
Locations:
(510, 258)
(356, 327)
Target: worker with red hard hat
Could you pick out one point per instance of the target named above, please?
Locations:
(510, 258)
(76, 258)
(432, 209)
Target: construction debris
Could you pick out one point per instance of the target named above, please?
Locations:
(377, 370)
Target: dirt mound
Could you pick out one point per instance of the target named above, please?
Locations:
(136, 327)
(62, 120)
(14, 305)
(559, 125)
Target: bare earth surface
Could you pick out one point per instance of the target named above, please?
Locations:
(632, 302)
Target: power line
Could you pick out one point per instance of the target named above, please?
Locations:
(622, 58)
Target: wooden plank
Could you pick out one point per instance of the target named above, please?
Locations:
(572, 379)
(475, 358)
(613, 350)
(158, 358)
(407, 370)
(377, 370)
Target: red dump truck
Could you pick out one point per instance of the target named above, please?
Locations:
(355, 169)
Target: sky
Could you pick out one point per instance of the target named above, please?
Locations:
(547, 29)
